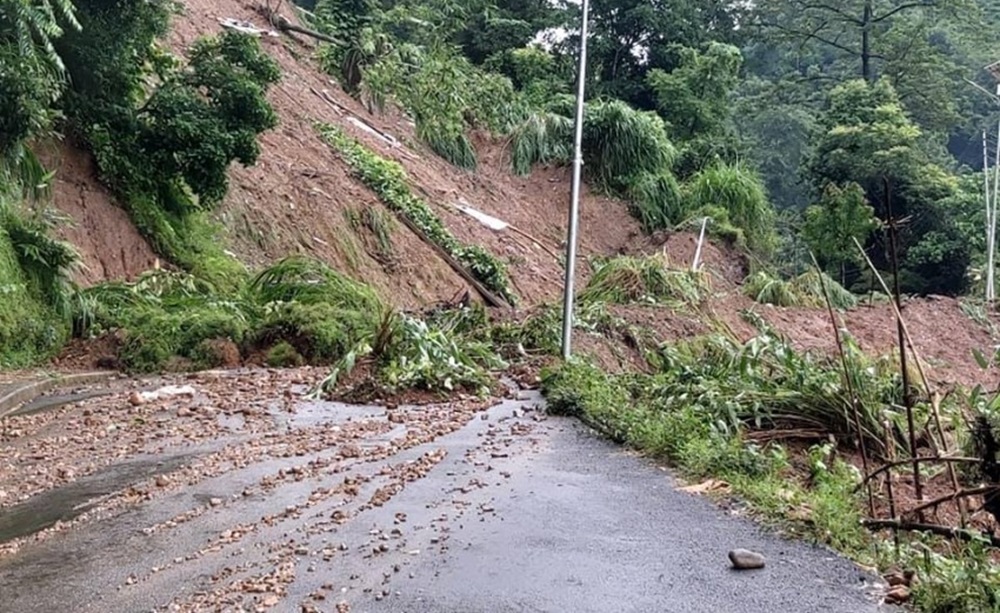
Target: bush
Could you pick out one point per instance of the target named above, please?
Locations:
(34, 289)
(302, 302)
(625, 280)
(165, 151)
(740, 192)
(283, 355)
(656, 200)
(319, 332)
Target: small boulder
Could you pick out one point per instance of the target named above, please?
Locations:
(744, 559)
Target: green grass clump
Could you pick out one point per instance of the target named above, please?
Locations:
(389, 181)
(283, 355)
(805, 290)
(541, 138)
(308, 281)
(322, 333)
(35, 289)
(740, 192)
(154, 336)
(656, 200)
(765, 289)
(439, 354)
(627, 280)
(621, 142)
(165, 315)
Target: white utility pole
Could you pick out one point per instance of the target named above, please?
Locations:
(574, 205)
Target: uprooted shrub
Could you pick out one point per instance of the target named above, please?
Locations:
(164, 315)
(441, 354)
(810, 289)
(626, 280)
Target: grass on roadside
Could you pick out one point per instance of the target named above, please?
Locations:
(699, 412)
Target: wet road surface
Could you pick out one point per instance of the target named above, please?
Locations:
(295, 506)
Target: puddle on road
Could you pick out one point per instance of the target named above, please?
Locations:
(67, 502)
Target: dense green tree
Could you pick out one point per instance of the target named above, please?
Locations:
(867, 139)
(628, 38)
(694, 98)
(831, 227)
(32, 73)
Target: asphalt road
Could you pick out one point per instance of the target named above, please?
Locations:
(510, 511)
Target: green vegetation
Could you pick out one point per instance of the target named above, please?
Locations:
(626, 280)
(165, 152)
(34, 288)
(441, 354)
(810, 289)
(165, 316)
(781, 122)
(390, 183)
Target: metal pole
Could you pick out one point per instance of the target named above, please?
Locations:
(989, 218)
(574, 205)
(993, 219)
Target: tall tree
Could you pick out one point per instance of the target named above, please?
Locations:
(866, 138)
(852, 27)
(31, 71)
(631, 37)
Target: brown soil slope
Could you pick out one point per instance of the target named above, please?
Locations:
(296, 196)
(295, 200)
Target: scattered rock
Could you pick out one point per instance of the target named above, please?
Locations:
(270, 600)
(136, 399)
(215, 501)
(898, 594)
(162, 481)
(744, 559)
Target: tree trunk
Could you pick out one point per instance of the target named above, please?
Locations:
(866, 45)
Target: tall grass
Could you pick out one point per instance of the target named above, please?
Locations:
(620, 142)
(309, 281)
(805, 290)
(35, 284)
(656, 200)
(542, 138)
(741, 193)
(626, 280)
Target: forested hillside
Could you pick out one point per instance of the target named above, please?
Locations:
(381, 187)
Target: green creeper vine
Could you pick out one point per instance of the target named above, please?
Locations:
(388, 179)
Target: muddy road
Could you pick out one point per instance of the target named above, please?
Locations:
(229, 492)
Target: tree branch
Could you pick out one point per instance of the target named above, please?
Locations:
(954, 533)
(833, 9)
(987, 489)
(904, 7)
(282, 24)
(813, 35)
(891, 465)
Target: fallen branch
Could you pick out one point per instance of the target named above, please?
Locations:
(491, 299)
(284, 25)
(931, 394)
(960, 495)
(946, 531)
(889, 466)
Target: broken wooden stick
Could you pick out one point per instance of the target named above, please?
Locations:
(946, 531)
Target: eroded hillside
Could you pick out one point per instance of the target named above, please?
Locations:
(299, 195)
